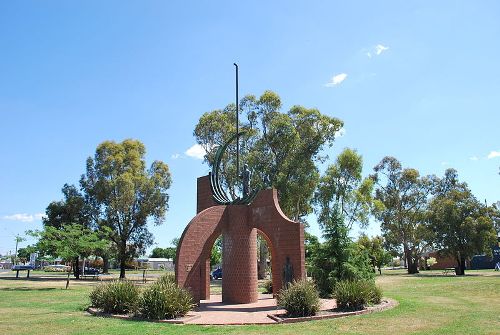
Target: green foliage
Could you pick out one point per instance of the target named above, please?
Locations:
(24, 253)
(431, 261)
(69, 241)
(374, 247)
(460, 222)
(165, 300)
(401, 198)
(125, 195)
(281, 149)
(168, 252)
(167, 278)
(268, 286)
(216, 252)
(343, 185)
(356, 294)
(117, 297)
(300, 299)
(338, 258)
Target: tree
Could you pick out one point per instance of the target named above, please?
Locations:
(71, 210)
(18, 239)
(69, 241)
(168, 252)
(126, 195)
(338, 258)
(461, 225)
(342, 184)
(216, 252)
(375, 249)
(494, 214)
(401, 202)
(24, 254)
(281, 149)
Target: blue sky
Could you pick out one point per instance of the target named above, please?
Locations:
(416, 80)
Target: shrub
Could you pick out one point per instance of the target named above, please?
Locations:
(354, 295)
(268, 286)
(300, 299)
(166, 278)
(117, 297)
(165, 300)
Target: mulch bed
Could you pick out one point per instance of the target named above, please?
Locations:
(332, 314)
(182, 320)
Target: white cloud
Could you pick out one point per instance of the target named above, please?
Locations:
(474, 158)
(196, 151)
(175, 156)
(379, 48)
(494, 154)
(445, 163)
(23, 217)
(376, 50)
(337, 79)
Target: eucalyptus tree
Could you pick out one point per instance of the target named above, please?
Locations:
(282, 149)
(125, 195)
(342, 185)
(462, 225)
(72, 211)
(401, 197)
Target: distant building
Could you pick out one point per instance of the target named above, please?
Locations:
(5, 264)
(157, 263)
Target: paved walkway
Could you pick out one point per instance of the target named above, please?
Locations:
(214, 312)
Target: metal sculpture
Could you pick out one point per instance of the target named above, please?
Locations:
(218, 193)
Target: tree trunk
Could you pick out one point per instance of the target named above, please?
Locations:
(122, 254)
(105, 264)
(76, 267)
(412, 264)
(460, 269)
(263, 260)
(122, 267)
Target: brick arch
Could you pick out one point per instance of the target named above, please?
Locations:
(192, 266)
(285, 237)
(238, 224)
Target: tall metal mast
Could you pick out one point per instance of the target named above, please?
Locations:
(237, 126)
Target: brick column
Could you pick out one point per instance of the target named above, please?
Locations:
(239, 258)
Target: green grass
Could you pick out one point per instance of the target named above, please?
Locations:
(429, 303)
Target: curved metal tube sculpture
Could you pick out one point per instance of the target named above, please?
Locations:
(218, 193)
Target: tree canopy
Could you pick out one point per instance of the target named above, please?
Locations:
(281, 149)
(125, 195)
(461, 224)
(402, 196)
(342, 185)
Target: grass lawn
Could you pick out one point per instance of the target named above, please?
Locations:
(429, 303)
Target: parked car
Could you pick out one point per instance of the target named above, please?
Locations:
(217, 274)
(91, 271)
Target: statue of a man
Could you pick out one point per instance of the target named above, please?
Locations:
(287, 273)
(245, 175)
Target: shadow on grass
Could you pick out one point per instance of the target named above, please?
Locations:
(24, 289)
(37, 279)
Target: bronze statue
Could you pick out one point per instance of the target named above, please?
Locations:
(287, 273)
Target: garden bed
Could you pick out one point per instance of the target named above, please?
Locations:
(132, 317)
(334, 313)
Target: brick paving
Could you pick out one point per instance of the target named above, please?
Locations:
(214, 312)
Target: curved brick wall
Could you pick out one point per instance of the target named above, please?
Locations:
(238, 224)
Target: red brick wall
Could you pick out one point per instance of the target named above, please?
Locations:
(238, 224)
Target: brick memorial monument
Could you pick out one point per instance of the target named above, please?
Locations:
(238, 225)
(237, 221)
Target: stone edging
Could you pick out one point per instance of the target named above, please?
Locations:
(385, 304)
(183, 320)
